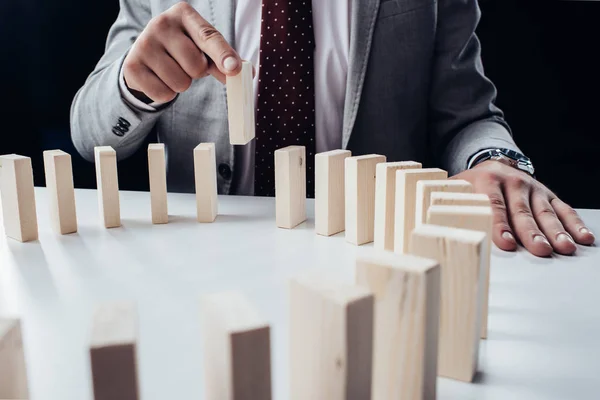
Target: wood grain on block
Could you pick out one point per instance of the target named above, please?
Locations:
(385, 202)
(330, 192)
(61, 191)
(426, 188)
(18, 198)
(406, 200)
(290, 186)
(474, 218)
(237, 349)
(459, 199)
(240, 104)
(407, 299)
(113, 352)
(460, 253)
(13, 371)
(107, 181)
(360, 198)
(331, 330)
(205, 170)
(157, 171)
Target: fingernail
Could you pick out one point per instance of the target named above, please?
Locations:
(508, 236)
(541, 239)
(586, 231)
(564, 237)
(230, 63)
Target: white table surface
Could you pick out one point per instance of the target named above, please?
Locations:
(544, 323)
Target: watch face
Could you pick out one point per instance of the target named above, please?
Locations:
(514, 155)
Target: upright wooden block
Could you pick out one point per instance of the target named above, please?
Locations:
(460, 253)
(240, 104)
(385, 202)
(205, 169)
(331, 330)
(237, 349)
(113, 352)
(426, 188)
(108, 186)
(13, 372)
(360, 198)
(157, 172)
(61, 191)
(407, 299)
(474, 218)
(290, 186)
(18, 198)
(330, 192)
(459, 199)
(406, 199)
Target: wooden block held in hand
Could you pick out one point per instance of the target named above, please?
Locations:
(330, 192)
(61, 191)
(240, 105)
(237, 349)
(459, 199)
(426, 188)
(407, 299)
(107, 181)
(157, 171)
(13, 372)
(360, 198)
(18, 198)
(385, 202)
(290, 186)
(460, 253)
(205, 169)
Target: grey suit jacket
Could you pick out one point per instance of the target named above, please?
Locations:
(416, 90)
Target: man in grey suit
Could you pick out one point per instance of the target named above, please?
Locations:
(402, 78)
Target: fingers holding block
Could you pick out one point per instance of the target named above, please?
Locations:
(425, 189)
(290, 186)
(107, 181)
(240, 104)
(157, 171)
(205, 170)
(329, 192)
(13, 373)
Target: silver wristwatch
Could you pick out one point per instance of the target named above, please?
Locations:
(506, 156)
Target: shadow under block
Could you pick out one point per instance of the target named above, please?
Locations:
(385, 202)
(205, 170)
(459, 199)
(426, 188)
(290, 186)
(406, 199)
(107, 181)
(360, 198)
(407, 299)
(477, 219)
(331, 340)
(157, 171)
(113, 352)
(240, 105)
(13, 372)
(61, 191)
(330, 192)
(237, 349)
(460, 253)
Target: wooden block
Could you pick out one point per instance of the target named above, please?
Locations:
(331, 330)
(385, 202)
(13, 372)
(460, 253)
(237, 349)
(113, 352)
(330, 192)
(18, 198)
(360, 198)
(240, 104)
(426, 188)
(407, 299)
(205, 169)
(406, 198)
(290, 186)
(474, 218)
(61, 191)
(157, 172)
(459, 199)
(108, 186)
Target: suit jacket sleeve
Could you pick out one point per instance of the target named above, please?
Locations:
(463, 116)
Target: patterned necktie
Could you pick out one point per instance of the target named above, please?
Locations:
(285, 109)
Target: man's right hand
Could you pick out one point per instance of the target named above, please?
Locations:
(175, 48)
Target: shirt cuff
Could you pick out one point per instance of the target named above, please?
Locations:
(134, 101)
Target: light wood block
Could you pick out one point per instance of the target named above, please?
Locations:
(407, 299)
(290, 186)
(113, 352)
(18, 198)
(406, 200)
(459, 199)
(331, 330)
(426, 188)
(330, 192)
(107, 181)
(385, 202)
(474, 218)
(13, 371)
(157, 171)
(360, 198)
(240, 104)
(237, 349)
(460, 253)
(61, 191)
(205, 170)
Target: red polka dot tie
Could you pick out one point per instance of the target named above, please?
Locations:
(285, 110)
